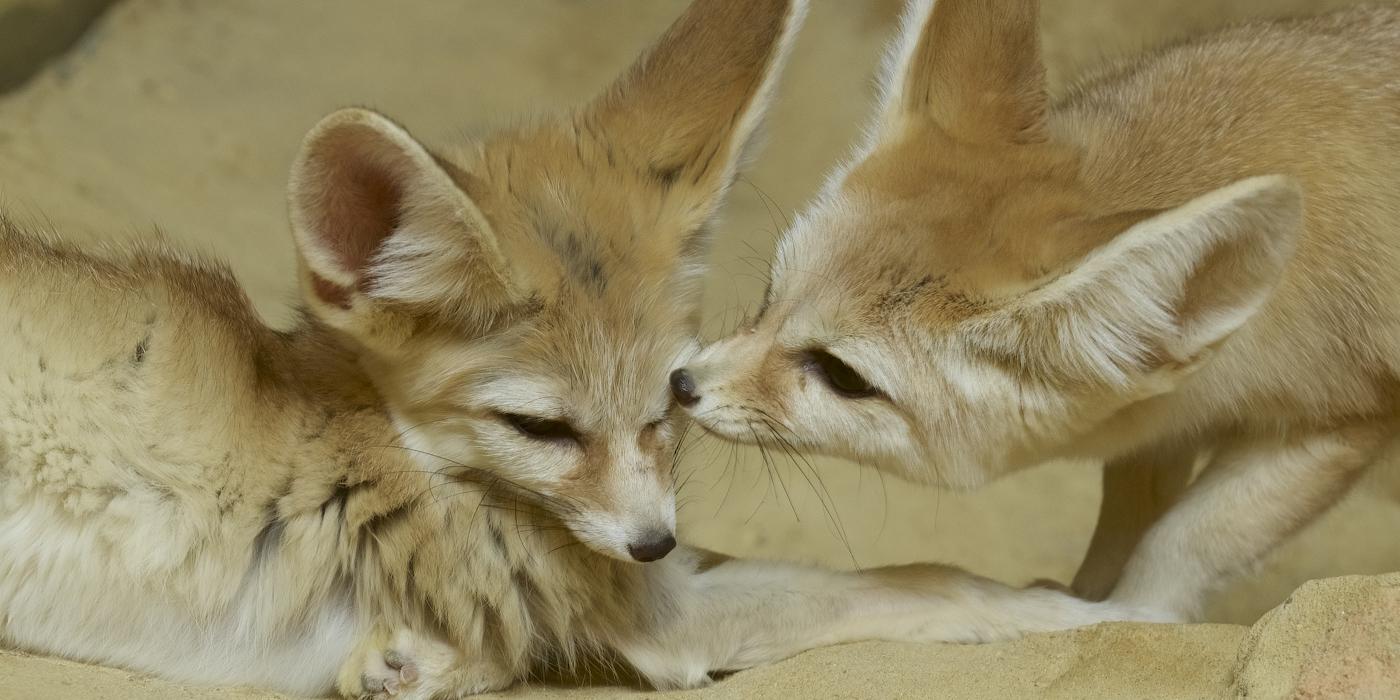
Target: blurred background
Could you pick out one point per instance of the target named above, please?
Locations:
(121, 118)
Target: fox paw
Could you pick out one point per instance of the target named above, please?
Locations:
(387, 674)
(414, 667)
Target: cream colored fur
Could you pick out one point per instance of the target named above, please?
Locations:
(1189, 260)
(434, 484)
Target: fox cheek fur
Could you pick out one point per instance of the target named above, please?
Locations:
(752, 388)
(607, 471)
(1171, 265)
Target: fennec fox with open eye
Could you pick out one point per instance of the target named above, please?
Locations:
(1193, 256)
(385, 498)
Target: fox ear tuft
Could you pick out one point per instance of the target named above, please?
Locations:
(377, 221)
(1166, 291)
(973, 67)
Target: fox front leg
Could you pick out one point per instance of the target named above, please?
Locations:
(405, 665)
(741, 614)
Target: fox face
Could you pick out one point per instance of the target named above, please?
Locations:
(519, 302)
(963, 299)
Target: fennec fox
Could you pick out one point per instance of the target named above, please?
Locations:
(384, 499)
(1193, 256)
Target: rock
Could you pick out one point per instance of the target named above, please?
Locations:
(1333, 638)
(34, 32)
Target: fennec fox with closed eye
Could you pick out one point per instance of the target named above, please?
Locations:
(1190, 257)
(385, 499)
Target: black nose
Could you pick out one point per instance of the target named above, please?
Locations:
(654, 549)
(683, 388)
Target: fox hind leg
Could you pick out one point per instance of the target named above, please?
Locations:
(1251, 497)
(1137, 491)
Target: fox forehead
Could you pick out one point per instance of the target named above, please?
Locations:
(590, 239)
(838, 277)
(574, 212)
(578, 361)
(610, 368)
(936, 230)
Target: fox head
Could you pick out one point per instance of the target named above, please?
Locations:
(519, 302)
(969, 295)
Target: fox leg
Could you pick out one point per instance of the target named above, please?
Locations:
(1251, 497)
(740, 614)
(1137, 490)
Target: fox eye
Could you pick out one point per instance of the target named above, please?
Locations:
(540, 428)
(838, 375)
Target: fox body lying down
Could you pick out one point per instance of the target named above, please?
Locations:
(1193, 257)
(390, 497)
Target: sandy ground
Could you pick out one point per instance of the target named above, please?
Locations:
(183, 115)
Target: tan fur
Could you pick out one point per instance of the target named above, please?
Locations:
(1194, 254)
(355, 503)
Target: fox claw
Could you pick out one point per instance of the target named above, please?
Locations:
(390, 672)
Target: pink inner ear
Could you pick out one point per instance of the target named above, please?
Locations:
(360, 212)
(355, 204)
(330, 292)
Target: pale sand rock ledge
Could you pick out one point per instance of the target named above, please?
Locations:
(1334, 638)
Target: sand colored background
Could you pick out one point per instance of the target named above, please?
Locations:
(184, 115)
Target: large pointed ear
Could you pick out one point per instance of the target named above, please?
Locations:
(973, 67)
(1165, 292)
(689, 109)
(382, 229)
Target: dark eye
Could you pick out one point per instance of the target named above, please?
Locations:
(838, 375)
(540, 428)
